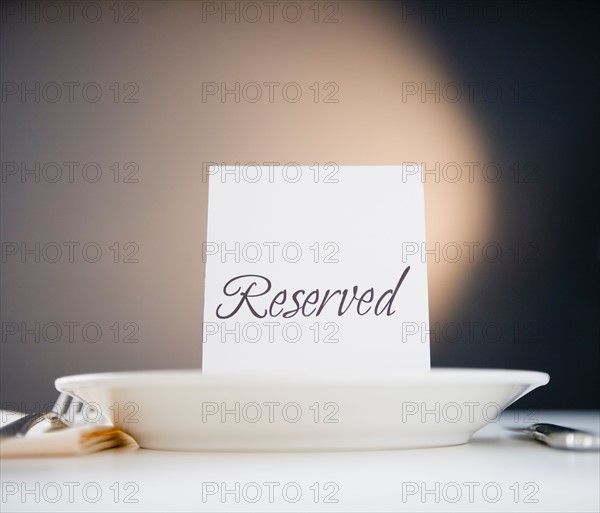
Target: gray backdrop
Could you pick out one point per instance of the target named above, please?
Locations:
(105, 129)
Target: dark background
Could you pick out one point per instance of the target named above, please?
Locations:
(551, 293)
(543, 294)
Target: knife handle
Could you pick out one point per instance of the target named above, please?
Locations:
(565, 438)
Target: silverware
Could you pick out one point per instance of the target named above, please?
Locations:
(65, 412)
(560, 437)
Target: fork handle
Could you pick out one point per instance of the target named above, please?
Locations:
(20, 427)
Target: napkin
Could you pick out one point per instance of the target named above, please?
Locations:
(71, 441)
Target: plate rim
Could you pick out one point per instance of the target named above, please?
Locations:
(179, 377)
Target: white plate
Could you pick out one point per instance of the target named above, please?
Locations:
(186, 410)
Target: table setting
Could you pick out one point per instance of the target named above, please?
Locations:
(322, 256)
(306, 407)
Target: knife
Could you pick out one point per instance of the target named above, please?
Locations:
(560, 437)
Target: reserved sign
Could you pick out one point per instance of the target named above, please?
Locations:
(305, 270)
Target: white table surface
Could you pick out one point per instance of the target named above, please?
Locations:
(494, 472)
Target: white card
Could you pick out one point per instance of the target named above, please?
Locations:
(312, 270)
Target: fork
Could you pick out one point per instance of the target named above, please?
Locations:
(65, 412)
